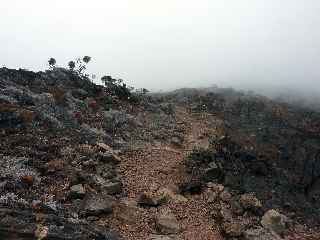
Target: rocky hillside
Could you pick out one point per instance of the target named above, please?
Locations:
(83, 161)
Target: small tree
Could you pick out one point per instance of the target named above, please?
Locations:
(72, 65)
(52, 63)
(81, 64)
(86, 59)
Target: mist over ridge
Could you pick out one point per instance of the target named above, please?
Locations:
(263, 45)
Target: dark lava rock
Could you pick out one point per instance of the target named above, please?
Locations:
(21, 224)
(77, 191)
(193, 187)
(10, 119)
(213, 172)
(108, 157)
(260, 234)
(97, 204)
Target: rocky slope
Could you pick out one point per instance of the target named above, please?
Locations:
(80, 163)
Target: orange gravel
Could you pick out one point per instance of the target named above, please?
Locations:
(157, 167)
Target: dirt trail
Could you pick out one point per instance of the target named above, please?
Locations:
(157, 167)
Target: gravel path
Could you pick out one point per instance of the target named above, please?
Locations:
(158, 167)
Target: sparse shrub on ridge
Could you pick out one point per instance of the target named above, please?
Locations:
(80, 65)
(86, 59)
(113, 87)
(52, 62)
(117, 88)
(72, 65)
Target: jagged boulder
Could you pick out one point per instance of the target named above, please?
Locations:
(233, 228)
(77, 191)
(106, 185)
(9, 118)
(166, 223)
(168, 194)
(250, 202)
(260, 234)
(275, 221)
(151, 200)
(214, 171)
(114, 119)
(163, 237)
(127, 211)
(93, 135)
(192, 187)
(97, 204)
(21, 224)
(80, 93)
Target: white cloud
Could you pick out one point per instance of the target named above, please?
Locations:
(169, 43)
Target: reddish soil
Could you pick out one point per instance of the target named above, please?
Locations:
(163, 166)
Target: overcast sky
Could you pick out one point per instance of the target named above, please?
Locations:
(170, 43)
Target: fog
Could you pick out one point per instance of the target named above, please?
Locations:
(262, 44)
